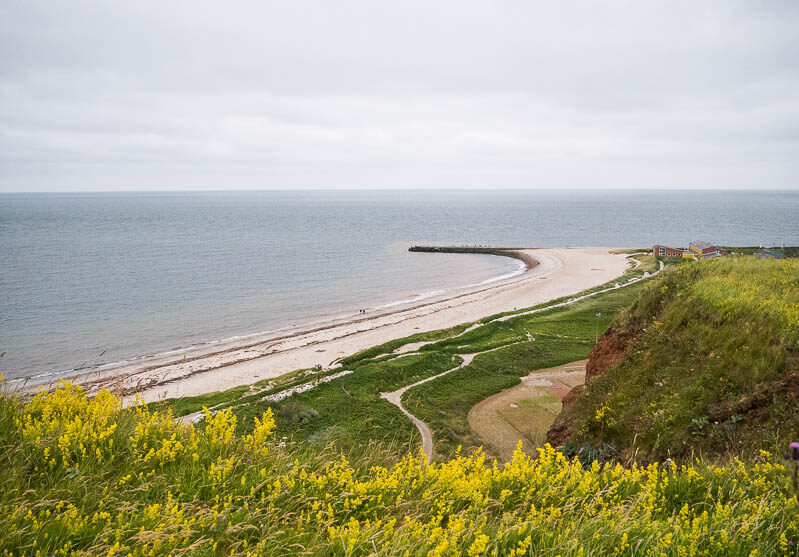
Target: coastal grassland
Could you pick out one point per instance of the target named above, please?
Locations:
(631, 274)
(349, 410)
(510, 350)
(630, 251)
(649, 264)
(85, 477)
(444, 404)
(186, 405)
(705, 362)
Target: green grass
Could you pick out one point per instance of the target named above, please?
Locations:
(349, 409)
(243, 394)
(647, 263)
(561, 335)
(186, 405)
(710, 365)
(487, 337)
(789, 251)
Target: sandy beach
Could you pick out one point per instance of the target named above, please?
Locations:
(559, 272)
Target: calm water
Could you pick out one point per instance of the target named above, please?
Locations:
(95, 278)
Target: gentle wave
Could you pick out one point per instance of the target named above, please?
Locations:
(522, 268)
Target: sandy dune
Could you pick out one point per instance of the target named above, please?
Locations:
(560, 272)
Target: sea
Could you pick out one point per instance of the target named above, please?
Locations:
(93, 279)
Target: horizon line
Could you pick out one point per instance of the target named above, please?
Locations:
(401, 188)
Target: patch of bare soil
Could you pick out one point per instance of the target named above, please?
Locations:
(526, 411)
(609, 349)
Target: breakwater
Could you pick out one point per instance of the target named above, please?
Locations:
(514, 252)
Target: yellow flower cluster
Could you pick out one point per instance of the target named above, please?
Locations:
(164, 489)
(256, 441)
(68, 428)
(157, 439)
(220, 427)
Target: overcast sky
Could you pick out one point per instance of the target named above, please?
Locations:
(238, 95)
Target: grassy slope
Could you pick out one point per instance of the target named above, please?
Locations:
(711, 366)
(788, 251)
(83, 477)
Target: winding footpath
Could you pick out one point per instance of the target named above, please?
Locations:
(395, 397)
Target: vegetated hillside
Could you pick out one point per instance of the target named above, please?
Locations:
(84, 477)
(706, 361)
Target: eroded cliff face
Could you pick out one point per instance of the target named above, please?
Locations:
(609, 350)
(560, 432)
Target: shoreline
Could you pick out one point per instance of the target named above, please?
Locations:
(264, 356)
(314, 323)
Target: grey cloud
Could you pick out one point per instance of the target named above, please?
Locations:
(140, 95)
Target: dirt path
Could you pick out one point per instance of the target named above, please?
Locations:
(395, 398)
(524, 412)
